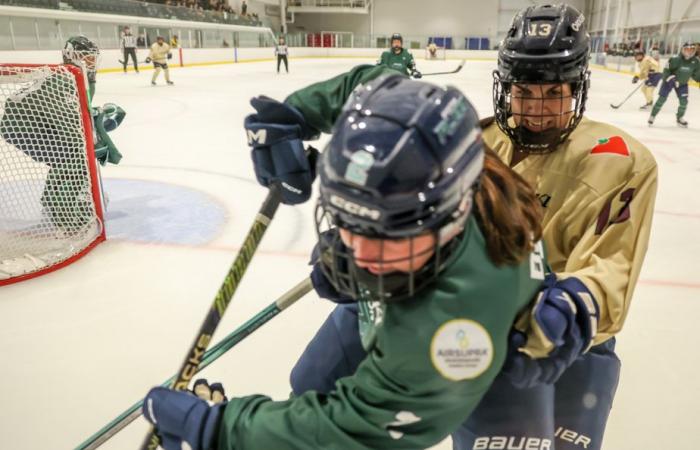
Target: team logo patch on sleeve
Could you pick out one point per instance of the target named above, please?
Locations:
(614, 144)
(461, 349)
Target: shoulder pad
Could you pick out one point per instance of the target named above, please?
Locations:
(485, 123)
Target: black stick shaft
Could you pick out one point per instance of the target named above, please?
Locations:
(222, 300)
(447, 73)
(211, 355)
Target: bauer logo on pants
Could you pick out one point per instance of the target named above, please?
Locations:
(461, 349)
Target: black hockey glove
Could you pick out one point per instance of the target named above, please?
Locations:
(416, 74)
(635, 79)
(276, 134)
(147, 60)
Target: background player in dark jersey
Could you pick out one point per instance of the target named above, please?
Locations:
(398, 58)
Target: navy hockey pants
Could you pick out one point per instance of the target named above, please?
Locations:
(568, 415)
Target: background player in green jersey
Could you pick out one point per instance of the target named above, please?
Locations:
(432, 239)
(398, 58)
(678, 71)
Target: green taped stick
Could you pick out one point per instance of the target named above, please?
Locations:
(261, 318)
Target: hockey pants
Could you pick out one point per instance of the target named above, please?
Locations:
(681, 92)
(156, 72)
(130, 52)
(281, 58)
(649, 85)
(568, 415)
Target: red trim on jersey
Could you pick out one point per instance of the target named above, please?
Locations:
(614, 145)
(92, 166)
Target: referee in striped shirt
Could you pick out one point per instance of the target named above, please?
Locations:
(128, 45)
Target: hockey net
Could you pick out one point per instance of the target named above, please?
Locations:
(50, 204)
(437, 53)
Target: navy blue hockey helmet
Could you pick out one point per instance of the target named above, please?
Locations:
(403, 161)
(546, 44)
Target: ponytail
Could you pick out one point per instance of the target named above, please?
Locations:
(508, 212)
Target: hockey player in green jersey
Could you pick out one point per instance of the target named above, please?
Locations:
(678, 71)
(52, 134)
(398, 58)
(435, 242)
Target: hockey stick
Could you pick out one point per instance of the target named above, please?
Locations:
(447, 73)
(222, 300)
(626, 98)
(240, 333)
(138, 62)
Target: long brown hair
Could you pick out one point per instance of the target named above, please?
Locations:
(508, 212)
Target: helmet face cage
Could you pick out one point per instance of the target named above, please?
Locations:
(83, 53)
(348, 276)
(535, 120)
(688, 50)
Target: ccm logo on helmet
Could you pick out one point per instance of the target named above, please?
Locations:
(354, 209)
(579, 21)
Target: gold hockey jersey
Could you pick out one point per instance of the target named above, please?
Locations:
(648, 65)
(598, 191)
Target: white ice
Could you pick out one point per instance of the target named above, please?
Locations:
(82, 344)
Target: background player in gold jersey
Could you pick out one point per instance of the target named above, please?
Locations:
(650, 74)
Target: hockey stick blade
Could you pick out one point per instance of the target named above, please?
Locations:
(459, 67)
(211, 355)
(626, 98)
(222, 300)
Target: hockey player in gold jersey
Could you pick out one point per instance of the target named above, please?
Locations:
(650, 74)
(597, 185)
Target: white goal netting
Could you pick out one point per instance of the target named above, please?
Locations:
(48, 197)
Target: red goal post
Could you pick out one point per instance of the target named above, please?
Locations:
(50, 195)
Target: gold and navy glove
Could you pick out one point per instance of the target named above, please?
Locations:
(562, 324)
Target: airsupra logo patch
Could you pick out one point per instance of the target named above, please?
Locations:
(461, 349)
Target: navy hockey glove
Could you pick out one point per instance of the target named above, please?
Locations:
(566, 316)
(276, 134)
(181, 417)
(322, 286)
(170, 56)
(416, 74)
(147, 60)
(635, 79)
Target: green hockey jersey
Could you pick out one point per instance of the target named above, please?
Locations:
(402, 62)
(683, 69)
(430, 360)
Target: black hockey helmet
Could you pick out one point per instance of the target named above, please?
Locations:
(396, 37)
(403, 161)
(82, 52)
(546, 44)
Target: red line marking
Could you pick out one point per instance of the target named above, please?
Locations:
(669, 283)
(677, 214)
